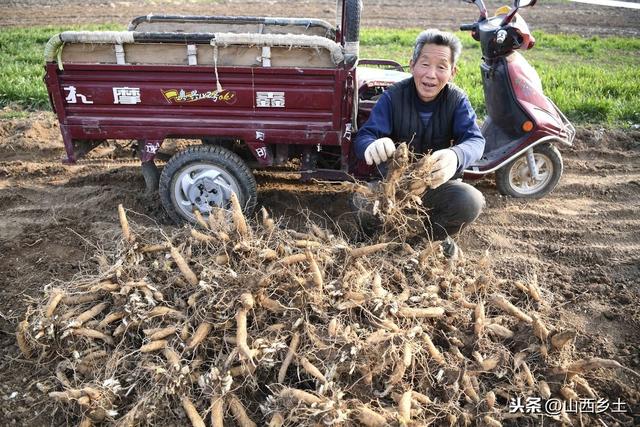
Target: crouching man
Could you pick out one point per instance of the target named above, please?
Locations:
(431, 114)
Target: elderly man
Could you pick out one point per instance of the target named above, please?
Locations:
(432, 115)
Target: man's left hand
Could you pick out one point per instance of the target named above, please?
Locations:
(444, 166)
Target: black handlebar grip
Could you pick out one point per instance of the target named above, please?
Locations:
(467, 27)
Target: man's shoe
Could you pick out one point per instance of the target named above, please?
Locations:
(450, 248)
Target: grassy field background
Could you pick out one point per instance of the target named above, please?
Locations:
(590, 79)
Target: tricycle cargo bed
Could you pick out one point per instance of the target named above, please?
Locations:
(262, 89)
(232, 24)
(254, 91)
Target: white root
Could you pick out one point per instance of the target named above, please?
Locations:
(502, 303)
(239, 220)
(56, 297)
(300, 396)
(404, 407)
(316, 274)
(124, 224)
(369, 418)
(559, 340)
(478, 326)
(499, 331)
(433, 351)
(539, 329)
(241, 327)
(192, 412)
(293, 346)
(184, 268)
(420, 313)
(239, 412)
(312, 370)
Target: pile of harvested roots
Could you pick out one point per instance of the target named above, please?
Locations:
(253, 324)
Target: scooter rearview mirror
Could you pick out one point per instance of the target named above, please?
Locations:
(523, 3)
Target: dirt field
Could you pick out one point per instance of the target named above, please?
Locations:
(582, 241)
(555, 16)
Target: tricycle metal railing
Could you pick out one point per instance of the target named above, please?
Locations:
(53, 49)
(267, 25)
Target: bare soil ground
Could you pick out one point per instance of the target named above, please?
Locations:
(556, 16)
(582, 241)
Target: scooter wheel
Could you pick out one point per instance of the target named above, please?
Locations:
(515, 178)
(204, 177)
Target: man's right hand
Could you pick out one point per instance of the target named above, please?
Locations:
(379, 151)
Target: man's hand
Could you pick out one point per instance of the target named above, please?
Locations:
(444, 166)
(379, 151)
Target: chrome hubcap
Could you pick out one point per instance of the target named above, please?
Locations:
(202, 187)
(520, 177)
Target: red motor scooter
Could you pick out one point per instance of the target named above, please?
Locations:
(522, 126)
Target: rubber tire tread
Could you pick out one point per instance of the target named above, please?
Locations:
(502, 174)
(228, 160)
(353, 10)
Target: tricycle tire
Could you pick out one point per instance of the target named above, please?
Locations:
(201, 177)
(514, 179)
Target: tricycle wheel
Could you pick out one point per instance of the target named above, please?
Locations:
(515, 178)
(204, 177)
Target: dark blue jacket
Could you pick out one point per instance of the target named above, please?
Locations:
(459, 132)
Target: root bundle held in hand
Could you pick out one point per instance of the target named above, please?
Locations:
(250, 324)
(397, 200)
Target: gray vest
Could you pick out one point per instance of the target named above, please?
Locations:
(407, 124)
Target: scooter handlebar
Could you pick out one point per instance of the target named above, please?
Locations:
(467, 27)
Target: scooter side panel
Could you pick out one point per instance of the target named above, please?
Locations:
(528, 90)
(502, 106)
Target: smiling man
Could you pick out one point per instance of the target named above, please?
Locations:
(433, 115)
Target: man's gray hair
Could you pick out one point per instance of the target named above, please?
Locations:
(440, 38)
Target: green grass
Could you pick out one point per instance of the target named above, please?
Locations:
(22, 64)
(590, 79)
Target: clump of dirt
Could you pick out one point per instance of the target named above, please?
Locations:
(32, 138)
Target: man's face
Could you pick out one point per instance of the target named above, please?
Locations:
(432, 70)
